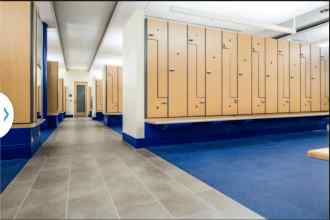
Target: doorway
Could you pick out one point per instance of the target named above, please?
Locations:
(80, 99)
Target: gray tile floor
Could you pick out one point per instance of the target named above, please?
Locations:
(85, 171)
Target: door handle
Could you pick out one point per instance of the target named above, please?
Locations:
(208, 72)
(240, 74)
(163, 103)
(267, 75)
(171, 70)
(151, 35)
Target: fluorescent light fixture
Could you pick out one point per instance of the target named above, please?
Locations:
(324, 44)
(215, 16)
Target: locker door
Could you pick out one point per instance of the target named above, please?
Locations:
(99, 98)
(120, 89)
(244, 74)
(157, 70)
(112, 89)
(283, 76)
(324, 79)
(315, 79)
(229, 59)
(196, 70)
(294, 77)
(258, 76)
(271, 75)
(178, 81)
(213, 72)
(305, 78)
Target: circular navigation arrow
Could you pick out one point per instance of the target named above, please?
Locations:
(6, 114)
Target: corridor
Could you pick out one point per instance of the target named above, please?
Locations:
(85, 171)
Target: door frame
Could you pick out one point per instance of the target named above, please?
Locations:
(76, 83)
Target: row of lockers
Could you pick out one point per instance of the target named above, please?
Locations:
(202, 71)
(113, 89)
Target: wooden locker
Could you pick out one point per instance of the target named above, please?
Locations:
(305, 78)
(178, 88)
(213, 93)
(294, 77)
(65, 98)
(112, 89)
(244, 74)
(120, 89)
(258, 76)
(99, 95)
(60, 95)
(283, 76)
(325, 79)
(52, 88)
(196, 70)
(229, 67)
(271, 75)
(315, 79)
(157, 68)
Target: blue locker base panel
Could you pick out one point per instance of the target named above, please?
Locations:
(115, 122)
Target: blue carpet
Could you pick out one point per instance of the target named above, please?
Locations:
(269, 174)
(117, 128)
(10, 168)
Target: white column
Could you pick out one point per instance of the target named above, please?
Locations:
(133, 75)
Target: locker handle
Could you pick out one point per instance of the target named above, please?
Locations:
(240, 74)
(151, 35)
(291, 77)
(163, 103)
(190, 40)
(267, 75)
(201, 102)
(171, 70)
(208, 72)
(313, 77)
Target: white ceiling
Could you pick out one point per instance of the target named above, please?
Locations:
(82, 22)
(82, 25)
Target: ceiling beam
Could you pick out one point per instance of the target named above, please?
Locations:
(60, 37)
(103, 35)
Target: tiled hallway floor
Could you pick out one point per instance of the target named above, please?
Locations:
(84, 170)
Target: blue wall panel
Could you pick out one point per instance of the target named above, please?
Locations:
(210, 131)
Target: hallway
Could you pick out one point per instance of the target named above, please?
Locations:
(84, 170)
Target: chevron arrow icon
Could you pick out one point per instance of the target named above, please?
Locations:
(6, 114)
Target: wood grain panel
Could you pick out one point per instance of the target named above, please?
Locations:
(283, 76)
(52, 88)
(60, 95)
(196, 70)
(157, 68)
(112, 89)
(99, 95)
(229, 71)
(213, 72)
(325, 79)
(244, 74)
(305, 78)
(315, 78)
(258, 76)
(65, 99)
(15, 57)
(178, 103)
(120, 89)
(294, 77)
(271, 75)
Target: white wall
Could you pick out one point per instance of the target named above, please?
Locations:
(133, 75)
(69, 78)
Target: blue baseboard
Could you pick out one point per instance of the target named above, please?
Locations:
(20, 143)
(53, 121)
(98, 116)
(156, 135)
(112, 120)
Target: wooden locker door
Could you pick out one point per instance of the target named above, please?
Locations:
(229, 67)
(213, 72)
(178, 81)
(112, 89)
(325, 79)
(120, 89)
(196, 70)
(244, 74)
(157, 69)
(60, 95)
(283, 76)
(258, 76)
(98, 94)
(271, 75)
(315, 79)
(294, 77)
(305, 78)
